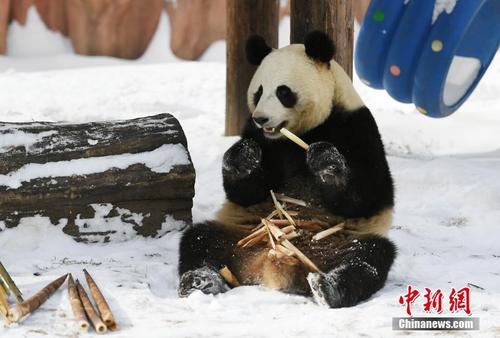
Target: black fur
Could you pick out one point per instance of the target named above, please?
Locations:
(243, 172)
(257, 95)
(319, 47)
(366, 187)
(360, 268)
(286, 96)
(206, 244)
(256, 49)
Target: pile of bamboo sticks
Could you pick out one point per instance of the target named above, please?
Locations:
(102, 319)
(279, 228)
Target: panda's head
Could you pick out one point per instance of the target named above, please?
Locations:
(293, 87)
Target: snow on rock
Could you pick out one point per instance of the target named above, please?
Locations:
(160, 160)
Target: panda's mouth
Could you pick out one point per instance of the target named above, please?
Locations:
(273, 130)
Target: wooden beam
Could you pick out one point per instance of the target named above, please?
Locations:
(245, 18)
(333, 17)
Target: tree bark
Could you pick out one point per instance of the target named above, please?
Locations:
(135, 190)
(112, 28)
(19, 10)
(4, 24)
(334, 17)
(245, 18)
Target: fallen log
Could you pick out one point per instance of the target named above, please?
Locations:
(100, 181)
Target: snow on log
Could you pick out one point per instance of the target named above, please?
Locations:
(98, 181)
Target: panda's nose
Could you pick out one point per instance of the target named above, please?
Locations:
(260, 120)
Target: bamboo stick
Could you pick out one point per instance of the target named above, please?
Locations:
(4, 304)
(254, 234)
(271, 240)
(94, 318)
(31, 304)
(229, 277)
(255, 240)
(10, 283)
(278, 234)
(76, 305)
(5, 287)
(292, 200)
(288, 229)
(291, 235)
(328, 232)
(281, 209)
(284, 250)
(101, 303)
(270, 216)
(301, 257)
(294, 138)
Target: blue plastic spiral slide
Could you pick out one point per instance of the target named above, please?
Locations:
(431, 53)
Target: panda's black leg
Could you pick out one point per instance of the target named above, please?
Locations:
(204, 249)
(359, 269)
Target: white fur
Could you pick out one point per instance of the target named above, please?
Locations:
(317, 87)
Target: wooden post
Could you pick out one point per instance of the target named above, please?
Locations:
(4, 24)
(245, 18)
(333, 17)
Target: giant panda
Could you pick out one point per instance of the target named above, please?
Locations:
(344, 176)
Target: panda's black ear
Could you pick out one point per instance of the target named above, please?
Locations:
(319, 47)
(257, 49)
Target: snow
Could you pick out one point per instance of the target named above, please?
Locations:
(159, 160)
(462, 73)
(446, 172)
(21, 139)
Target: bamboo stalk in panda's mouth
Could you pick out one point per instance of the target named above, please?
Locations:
(294, 138)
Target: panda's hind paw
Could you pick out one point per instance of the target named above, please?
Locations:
(205, 279)
(324, 290)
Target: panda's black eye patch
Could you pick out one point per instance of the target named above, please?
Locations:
(257, 95)
(286, 96)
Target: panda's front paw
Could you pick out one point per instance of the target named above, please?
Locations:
(242, 159)
(205, 279)
(325, 290)
(327, 164)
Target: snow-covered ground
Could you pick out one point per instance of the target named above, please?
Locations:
(446, 226)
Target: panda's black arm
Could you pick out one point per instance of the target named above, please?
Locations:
(248, 190)
(245, 180)
(365, 186)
